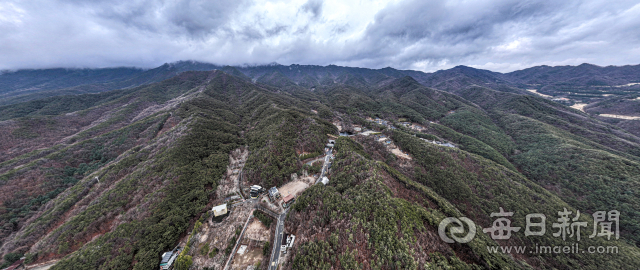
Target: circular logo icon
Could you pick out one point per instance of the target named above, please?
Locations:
(456, 228)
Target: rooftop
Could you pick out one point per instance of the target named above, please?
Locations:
(166, 256)
(219, 210)
(325, 180)
(288, 198)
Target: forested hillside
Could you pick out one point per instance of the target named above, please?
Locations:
(111, 180)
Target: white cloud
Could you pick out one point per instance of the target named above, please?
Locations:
(501, 35)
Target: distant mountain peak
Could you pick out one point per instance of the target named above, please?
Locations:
(587, 65)
(402, 85)
(408, 79)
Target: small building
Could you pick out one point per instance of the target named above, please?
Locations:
(288, 200)
(325, 180)
(256, 191)
(168, 258)
(273, 193)
(219, 210)
(290, 239)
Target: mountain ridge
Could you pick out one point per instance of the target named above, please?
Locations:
(583, 78)
(162, 154)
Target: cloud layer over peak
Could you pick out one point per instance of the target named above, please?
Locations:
(500, 35)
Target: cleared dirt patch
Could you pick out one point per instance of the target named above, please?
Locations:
(625, 117)
(218, 236)
(251, 257)
(257, 231)
(399, 153)
(579, 106)
(294, 188)
(627, 85)
(540, 94)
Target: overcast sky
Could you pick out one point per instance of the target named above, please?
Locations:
(499, 35)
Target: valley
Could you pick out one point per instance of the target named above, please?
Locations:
(114, 179)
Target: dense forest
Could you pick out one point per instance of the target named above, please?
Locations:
(111, 179)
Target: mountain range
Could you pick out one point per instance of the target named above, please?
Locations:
(109, 168)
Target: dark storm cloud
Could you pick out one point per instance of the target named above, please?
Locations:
(314, 7)
(440, 30)
(500, 34)
(189, 17)
(410, 34)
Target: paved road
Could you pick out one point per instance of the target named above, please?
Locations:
(325, 167)
(314, 160)
(277, 242)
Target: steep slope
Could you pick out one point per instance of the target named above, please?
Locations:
(622, 112)
(311, 76)
(113, 179)
(583, 75)
(406, 98)
(62, 156)
(29, 81)
(25, 85)
(149, 160)
(588, 163)
(585, 82)
(372, 217)
(375, 216)
(461, 76)
(563, 150)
